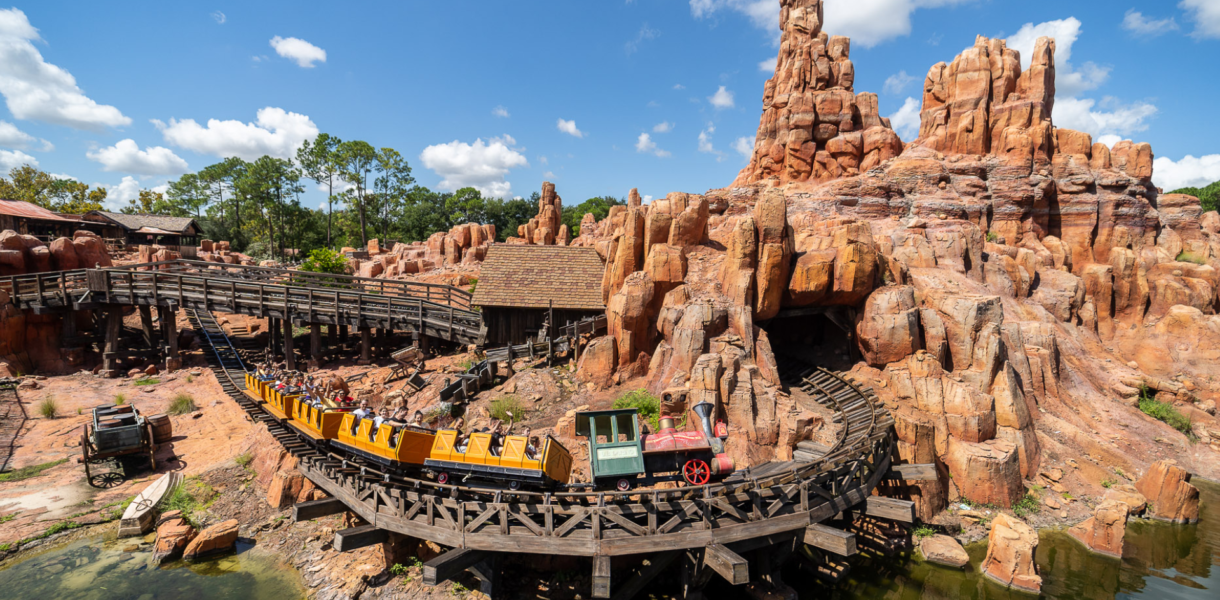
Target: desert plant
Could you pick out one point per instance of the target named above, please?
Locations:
(1107, 483)
(501, 407)
(244, 460)
(1164, 412)
(923, 531)
(120, 399)
(48, 407)
(182, 404)
(30, 471)
(1026, 506)
(147, 381)
(645, 404)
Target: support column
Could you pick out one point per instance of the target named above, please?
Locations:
(343, 334)
(169, 327)
(114, 323)
(332, 339)
(383, 342)
(315, 344)
(290, 359)
(273, 334)
(425, 343)
(146, 325)
(68, 331)
(366, 341)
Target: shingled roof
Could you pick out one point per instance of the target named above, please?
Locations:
(176, 225)
(521, 276)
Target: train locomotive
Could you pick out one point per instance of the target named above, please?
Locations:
(621, 455)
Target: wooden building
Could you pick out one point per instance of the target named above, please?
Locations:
(31, 219)
(170, 232)
(520, 285)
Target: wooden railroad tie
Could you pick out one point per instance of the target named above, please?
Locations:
(355, 538)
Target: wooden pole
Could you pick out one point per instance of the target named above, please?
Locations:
(315, 342)
(366, 340)
(114, 322)
(290, 359)
(146, 324)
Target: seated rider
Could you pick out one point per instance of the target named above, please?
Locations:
(417, 419)
(382, 417)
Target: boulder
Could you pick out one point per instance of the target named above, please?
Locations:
(216, 539)
(628, 317)
(1011, 548)
(944, 550)
(173, 535)
(989, 472)
(1103, 532)
(598, 362)
(1170, 495)
(888, 330)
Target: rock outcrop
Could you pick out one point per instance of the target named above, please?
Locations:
(1011, 547)
(1103, 532)
(174, 533)
(216, 539)
(814, 127)
(1169, 493)
(944, 550)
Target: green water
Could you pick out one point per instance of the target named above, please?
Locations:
(98, 569)
(1160, 561)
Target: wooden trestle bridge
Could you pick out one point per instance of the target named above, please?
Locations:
(819, 508)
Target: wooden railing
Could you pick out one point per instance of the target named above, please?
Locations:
(54, 289)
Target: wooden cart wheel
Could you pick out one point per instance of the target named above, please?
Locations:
(696, 472)
(152, 448)
(84, 448)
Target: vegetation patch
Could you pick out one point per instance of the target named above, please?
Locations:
(923, 531)
(1191, 257)
(182, 404)
(503, 406)
(120, 399)
(1164, 412)
(48, 408)
(147, 381)
(1027, 506)
(192, 497)
(244, 460)
(647, 405)
(31, 471)
(1209, 197)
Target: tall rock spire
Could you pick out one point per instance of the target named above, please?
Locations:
(814, 126)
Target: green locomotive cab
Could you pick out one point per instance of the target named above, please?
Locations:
(616, 449)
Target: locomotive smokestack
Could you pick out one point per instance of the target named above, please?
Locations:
(704, 410)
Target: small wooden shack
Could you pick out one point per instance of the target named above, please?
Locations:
(520, 285)
(175, 233)
(37, 221)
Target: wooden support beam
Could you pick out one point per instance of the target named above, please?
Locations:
(290, 358)
(358, 537)
(730, 565)
(451, 564)
(488, 574)
(656, 564)
(315, 341)
(890, 508)
(366, 343)
(146, 325)
(830, 539)
(601, 576)
(314, 509)
(114, 324)
(914, 472)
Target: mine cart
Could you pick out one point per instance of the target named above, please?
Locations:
(116, 431)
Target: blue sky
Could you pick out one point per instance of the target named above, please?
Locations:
(598, 97)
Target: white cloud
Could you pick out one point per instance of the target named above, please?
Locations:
(1107, 117)
(1069, 82)
(479, 165)
(569, 127)
(219, 17)
(11, 159)
(305, 53)
(35, 89)
(906, 121)
(665, 127)
(276, 132)
(897, 83)
(118, 195)
(722, 98)
(1205, 14)
(645, 144)
(647, 199)
(768, 65)
(871, 22)
(763, 14)
(1170, 175)
(127, 157)
(500, 111)
(678, 86)
(11, 137)
(646, 33)
(705, 142)
(745, 147)
(1109, 139)
(549, 175)
(1136, 22)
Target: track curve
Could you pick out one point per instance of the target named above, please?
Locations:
(756, 502)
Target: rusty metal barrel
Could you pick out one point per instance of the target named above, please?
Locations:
(162, 428)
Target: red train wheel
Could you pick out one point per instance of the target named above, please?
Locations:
(623, 485)
(443, 479)
(696, 472)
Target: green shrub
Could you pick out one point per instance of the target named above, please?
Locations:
(120, 399)
(244, 460)
(147, 381)
(1209, 197)
(191, 497)
(1107, 483)
(500, 408)
(48, 408)
(1191, 257)
(182, 404)
(1027, 506)
(923, 531)
(647, 405)
(325, 260)
(1164, 412)
(992, 237)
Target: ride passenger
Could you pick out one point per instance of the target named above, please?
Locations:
(417, 419)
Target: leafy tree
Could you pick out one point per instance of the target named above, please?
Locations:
(29, 184)
(392, 184)
(73, 197)
(219, 179)
(187, 196)
(325, 260)
(598, 205)
(147, 203)
(1209, 197)
(356, 160)
(320, 162)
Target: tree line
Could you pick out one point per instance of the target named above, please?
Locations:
(257, 205)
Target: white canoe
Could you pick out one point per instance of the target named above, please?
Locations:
(140, 514)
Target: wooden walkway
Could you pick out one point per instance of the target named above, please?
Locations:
(306, 299)
(755, 509)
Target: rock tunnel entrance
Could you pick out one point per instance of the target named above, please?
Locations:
(815, 336)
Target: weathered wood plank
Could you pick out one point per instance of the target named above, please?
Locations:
(355, 538)
(914, 472)
(728, 564)
(315, 509)
(830, 539)
(890, 508)
(450, 564)
(601, 576)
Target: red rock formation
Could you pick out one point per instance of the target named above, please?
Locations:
(1103, 532)
(217, 539)
(1169, 493)
(1011, 547)
(944, 550)
(174, 533)
(813, 126)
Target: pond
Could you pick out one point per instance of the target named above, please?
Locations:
(98, 568)
(1160, 561)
